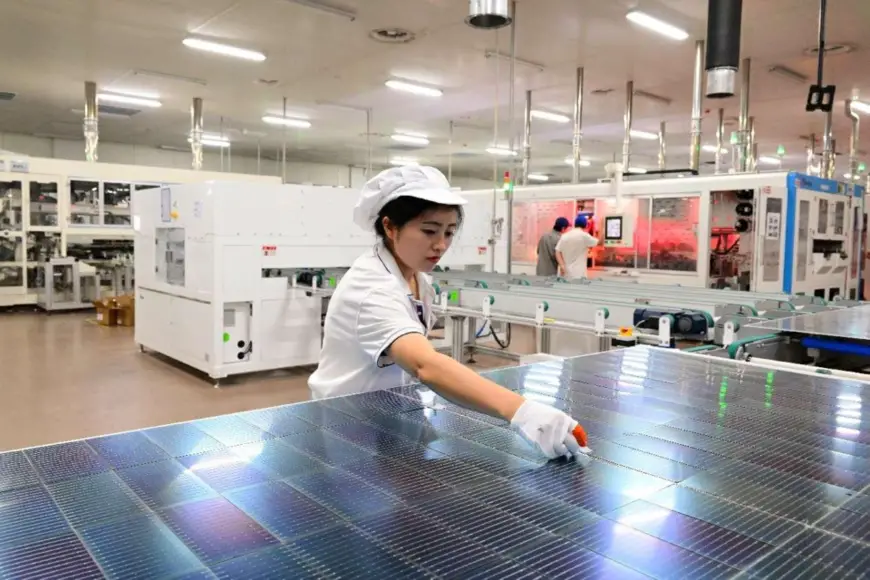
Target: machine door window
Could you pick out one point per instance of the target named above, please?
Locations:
(43, 204)
(10, 206)
(823, 216)
(116, 204)
(170, 256)
(84, 203)
(673, 234)
(803, 240)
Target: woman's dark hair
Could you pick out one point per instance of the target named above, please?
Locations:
(406, 208)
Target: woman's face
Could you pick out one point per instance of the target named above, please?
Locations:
(421, 243)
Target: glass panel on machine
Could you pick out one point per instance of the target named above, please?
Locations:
(10, 205)
(170, 256)
(41, 246)
(84, 203)
(531, 221)
(112, 257)
(772, 232)
(43, 204)
(731, 240)
(642, 232)
(116, 204)
(839, 218)
(11, 256)
(803, 240)
(673, 234)
(626, 252)
(823, 216)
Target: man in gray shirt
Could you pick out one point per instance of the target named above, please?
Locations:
(547, 264)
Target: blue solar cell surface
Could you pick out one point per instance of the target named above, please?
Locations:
(701, 468)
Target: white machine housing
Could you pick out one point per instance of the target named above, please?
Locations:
(213, 287)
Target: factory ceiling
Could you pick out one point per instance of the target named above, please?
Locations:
(331, 70)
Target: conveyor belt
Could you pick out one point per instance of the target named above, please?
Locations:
(702, 468)
(846, 323)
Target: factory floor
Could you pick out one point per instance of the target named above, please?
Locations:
(64, 377)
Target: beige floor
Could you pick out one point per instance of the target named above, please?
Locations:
(63, 377)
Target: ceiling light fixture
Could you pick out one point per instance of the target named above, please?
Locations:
(637, 170)
(660, 26)
(137, 94)
(501, 151)
(538, 177)
(548, 116)
(645, 135)
(507, 57)
(861, 107)
(583, 162)
(420, 140)
(210, 142)
(224, 49)
(404, 161)
(327, 8)
(769, 160)
(287, 122)
(128, 100)
(712, 149)
(413, 88)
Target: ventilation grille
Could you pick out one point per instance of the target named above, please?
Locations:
(7, 96)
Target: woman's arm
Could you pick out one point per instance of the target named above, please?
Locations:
(452, 380)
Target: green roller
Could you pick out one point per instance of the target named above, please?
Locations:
(546, 306)
(735, 346)
(491, 299)
(606, 313)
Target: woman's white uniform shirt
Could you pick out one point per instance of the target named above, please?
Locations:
(371, 308)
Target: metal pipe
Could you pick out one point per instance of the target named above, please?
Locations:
(723, 46)
(811, 154)
(832, 172)
(662, 146)
(196, 133)
(527, 137)
(91, 122)
(853, 141)
(578, 126)
(627, 117)
(743, 150)
(752, 164)
(720, 138)
(450, 153)
(284, 145)
(827, 145)
(513, 81)
(697, 92)
(489, 14)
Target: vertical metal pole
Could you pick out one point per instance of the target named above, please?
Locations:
(626, 140)
(743, 150)
(450, 153)
(753, 162)
(853, 141)
(368, 143)
(221, 132)
(827, 145)
(258, 157)
(527, 137)
(811, 153)
(196, 133)
(697, 92)
(832, 171)
(577, 142)
(663, 151)
(720, 138)
(284, 145)
(513, 75)
(91, 127)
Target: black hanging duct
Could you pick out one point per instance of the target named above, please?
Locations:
(723, 46)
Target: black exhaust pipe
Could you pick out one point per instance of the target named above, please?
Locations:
(723, 47)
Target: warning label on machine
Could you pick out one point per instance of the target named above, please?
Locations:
(270, 250)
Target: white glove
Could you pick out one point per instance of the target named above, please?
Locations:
(549, 429)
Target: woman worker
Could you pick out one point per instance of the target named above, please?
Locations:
(381, 312)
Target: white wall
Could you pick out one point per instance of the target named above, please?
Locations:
(297, 172)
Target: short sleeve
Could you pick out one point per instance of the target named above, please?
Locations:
(559, 243)
(383, 318)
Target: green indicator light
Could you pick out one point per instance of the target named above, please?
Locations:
(734, 139)
(332, 282)
(862, 167)
(453, 296)
(226, 337)
(780, 150)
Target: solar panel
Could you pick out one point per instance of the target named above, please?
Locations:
(700, 468)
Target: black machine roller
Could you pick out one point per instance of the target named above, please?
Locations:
(685, 323)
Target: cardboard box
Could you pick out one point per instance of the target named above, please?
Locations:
(107, 313)
(126, 308)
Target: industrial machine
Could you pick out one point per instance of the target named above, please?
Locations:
(68, 284)
(764, 232)
(218, 280)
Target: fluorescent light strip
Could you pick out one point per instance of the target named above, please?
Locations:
(769, 160)
(548, 116)
(538, 177)
(137, 94)
(411, 139)
(583, 162)
(645, 135)
(637, 170)
(501, 152)
(712, 149)
(861, 107)
(404, 161)
(412, 88)
(287, 122)
(127, 100)
(212, 143)
(660, 26)
(224, 49)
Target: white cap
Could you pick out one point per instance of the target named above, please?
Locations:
(407, 181)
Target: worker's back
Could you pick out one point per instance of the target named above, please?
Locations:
(574, 246)
(547, 264)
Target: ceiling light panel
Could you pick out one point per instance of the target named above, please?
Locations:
(287, 122)
(861, 107)
(583, 162)
(654, 24)
(224, 49)
(501, 152)
(419, 140)
(540, 177)
(128, 100)
(413, 88)
(767, 160)
(549, 116)
(404, 161)
(645, 135)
